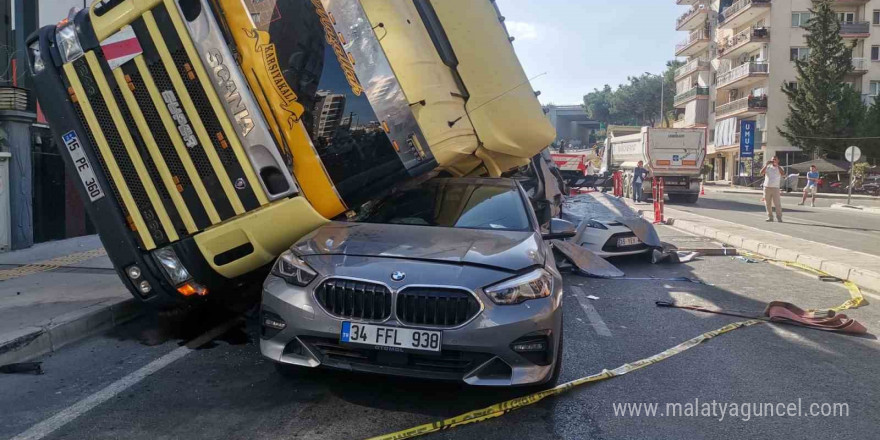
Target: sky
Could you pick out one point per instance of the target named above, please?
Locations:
(585, 44)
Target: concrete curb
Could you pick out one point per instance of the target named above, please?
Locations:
(801, 194)
(30, 342)
(864, 278)
(864, 209)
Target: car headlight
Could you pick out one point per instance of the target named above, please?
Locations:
(535, 284)
(68, 43)
(171, 265)
(595, 225)
(293, 270)
(37, 65)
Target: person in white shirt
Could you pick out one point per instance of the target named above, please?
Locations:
(773, 174)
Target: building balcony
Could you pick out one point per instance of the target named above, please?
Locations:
(695, 93)
(744, 42)
(850, 2)
(860, 66)
(742, 108)
(687, 2)
(743, 76)
(696, 42)
(742, 12)
(855, 29)
(694, 65)
(693, 19)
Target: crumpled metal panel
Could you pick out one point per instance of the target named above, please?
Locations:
(587, 262)
(643, 229)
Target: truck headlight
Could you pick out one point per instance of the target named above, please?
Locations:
(37, 65)
(171, 265)
(68, 43)
(535, 284)
(293, 270)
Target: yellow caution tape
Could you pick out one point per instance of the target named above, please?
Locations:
(856, 298)
(52, 264)
(502, 408)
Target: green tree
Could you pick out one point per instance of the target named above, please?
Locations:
(669, 92)
(871, 129)
(637, 102)
(598, 105)
(821, 105)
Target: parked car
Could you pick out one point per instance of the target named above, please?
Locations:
(608, 237)
(450, 280)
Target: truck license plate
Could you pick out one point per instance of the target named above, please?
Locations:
(83, 167)
(628, 241)
(387, 338)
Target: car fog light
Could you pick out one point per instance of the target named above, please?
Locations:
(145, 287)
(133, 272)
(530, 346)
(271, 324)
(191, 288)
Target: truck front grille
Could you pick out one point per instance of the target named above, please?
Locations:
(160, 141)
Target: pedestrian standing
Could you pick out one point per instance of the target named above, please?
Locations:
(639, 175)
(812, 186)
(772, 178)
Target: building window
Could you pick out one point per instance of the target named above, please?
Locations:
(875, 53)
(846, 17)
(875, 88)
(799, 19)
(876, 16)
(799, 53)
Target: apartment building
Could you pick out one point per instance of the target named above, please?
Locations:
(739, 53)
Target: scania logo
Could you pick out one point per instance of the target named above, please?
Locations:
(398, 275)
(186, 131)
(233, 98)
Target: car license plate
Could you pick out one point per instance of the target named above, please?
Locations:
(387, 338)
(83, 166)
(628, 241)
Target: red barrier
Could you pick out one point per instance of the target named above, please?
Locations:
(658, 192)
(618, 183)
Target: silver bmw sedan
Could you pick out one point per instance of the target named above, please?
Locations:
(451, 280)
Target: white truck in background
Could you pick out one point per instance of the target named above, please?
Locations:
(676, 154)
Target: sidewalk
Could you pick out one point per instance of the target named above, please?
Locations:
(860, 268)
(864, 209)
(55, 293)
(820, 195)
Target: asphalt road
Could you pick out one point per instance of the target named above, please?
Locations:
(854, 230)
(226, 390)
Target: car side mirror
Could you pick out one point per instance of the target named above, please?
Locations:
(560, 229)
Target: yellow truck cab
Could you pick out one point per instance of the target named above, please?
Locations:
(209, 135)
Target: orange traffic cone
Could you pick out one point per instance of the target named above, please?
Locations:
(702, 191)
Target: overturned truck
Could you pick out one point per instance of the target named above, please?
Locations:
(209, 135)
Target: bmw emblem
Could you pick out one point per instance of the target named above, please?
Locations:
(398, 275)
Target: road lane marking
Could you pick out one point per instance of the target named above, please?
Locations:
(595, 320)
(71, 413)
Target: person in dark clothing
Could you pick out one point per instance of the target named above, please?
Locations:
(639, 176)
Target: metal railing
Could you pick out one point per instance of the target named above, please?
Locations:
(692, 93)
(731, 10)
(742, 71)
(693, 37)
(855, 27)
(697, 9)
(691, 66)
(749, 102)
(860, 64)
(743, 37)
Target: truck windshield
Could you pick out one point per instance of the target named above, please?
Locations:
(455, 205)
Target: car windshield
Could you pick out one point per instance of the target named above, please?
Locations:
(453, 204)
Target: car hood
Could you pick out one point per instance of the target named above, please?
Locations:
(508, 250)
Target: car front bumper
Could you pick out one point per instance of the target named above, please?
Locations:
(478, 352)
